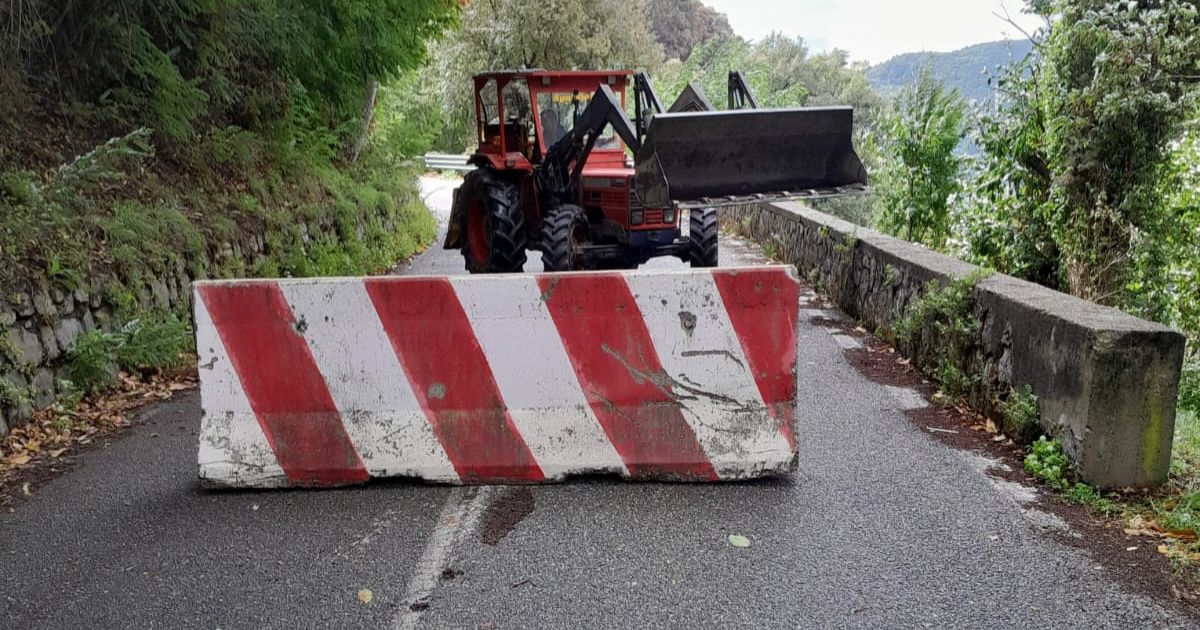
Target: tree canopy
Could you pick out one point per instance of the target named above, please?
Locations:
(681, 25)
(553, 34)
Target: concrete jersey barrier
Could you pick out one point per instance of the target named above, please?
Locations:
(684, 376)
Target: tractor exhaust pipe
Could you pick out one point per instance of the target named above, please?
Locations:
(722, 158)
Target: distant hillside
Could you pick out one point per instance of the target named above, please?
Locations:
(966, 69)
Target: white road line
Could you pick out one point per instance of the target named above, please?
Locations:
(458, 519)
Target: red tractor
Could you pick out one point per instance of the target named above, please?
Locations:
(562, 169)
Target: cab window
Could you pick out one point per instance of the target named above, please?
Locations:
(557, 111)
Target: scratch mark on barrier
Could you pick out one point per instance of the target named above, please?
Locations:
(549, 292)
(668, 385)
(713, 353)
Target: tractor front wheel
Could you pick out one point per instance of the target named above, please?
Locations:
(564, 233)
(493, 225)
(702, 244)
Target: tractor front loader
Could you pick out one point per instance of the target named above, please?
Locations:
(552, 173)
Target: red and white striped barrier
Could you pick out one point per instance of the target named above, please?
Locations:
(498, 379)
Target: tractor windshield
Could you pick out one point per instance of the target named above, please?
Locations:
(557, 111)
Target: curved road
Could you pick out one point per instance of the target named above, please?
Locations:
(882, 527)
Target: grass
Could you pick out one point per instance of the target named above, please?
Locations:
(1185, 456)
(140, 346)
(1173, 512)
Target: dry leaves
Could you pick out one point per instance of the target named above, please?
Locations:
(52, 432)
(1141, 526)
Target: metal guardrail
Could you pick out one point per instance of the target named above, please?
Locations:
(447, 162)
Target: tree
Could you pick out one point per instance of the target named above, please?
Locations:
(1120, 79)
(922, 169)
(1007, 217)
(175, 65)
(681, 25)
(551, 34)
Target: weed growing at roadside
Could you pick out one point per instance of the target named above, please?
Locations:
(1020, 413)
(1047, 463)
(140, 345)
(1185, 455)
(91, 360)
(941, 332)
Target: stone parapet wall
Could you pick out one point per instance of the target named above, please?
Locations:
(1106, 382)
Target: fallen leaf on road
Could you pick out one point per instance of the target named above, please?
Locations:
(57, 452)
(1140, 532)
(990, 427)
(739, 541)
(365, 595)
(25, 488)
(19, 459)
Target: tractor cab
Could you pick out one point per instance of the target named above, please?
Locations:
(538, 108)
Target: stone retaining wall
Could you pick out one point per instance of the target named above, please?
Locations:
(39, 321)
(1106, 382)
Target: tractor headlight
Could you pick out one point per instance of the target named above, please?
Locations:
(636, 217)
(669, 215)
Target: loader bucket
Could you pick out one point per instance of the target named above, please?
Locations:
(720, 158)
(498, 379)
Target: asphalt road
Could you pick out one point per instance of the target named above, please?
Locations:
(881, 527)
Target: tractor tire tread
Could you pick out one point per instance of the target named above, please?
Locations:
(703, 247)
(556, 237)
(506, 220)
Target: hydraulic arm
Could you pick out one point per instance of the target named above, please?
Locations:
(564, 161)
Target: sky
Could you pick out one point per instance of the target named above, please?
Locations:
(876, 30)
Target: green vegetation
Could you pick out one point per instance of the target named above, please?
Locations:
(138, 346)
(507, 34)
(1019, 412)
(1086, 177)
(922, 171)
(1047, 463)
(224, 138)
(941, 333)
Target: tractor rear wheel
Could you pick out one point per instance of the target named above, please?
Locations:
(564, 233)
(702, 244)
(493, 226)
